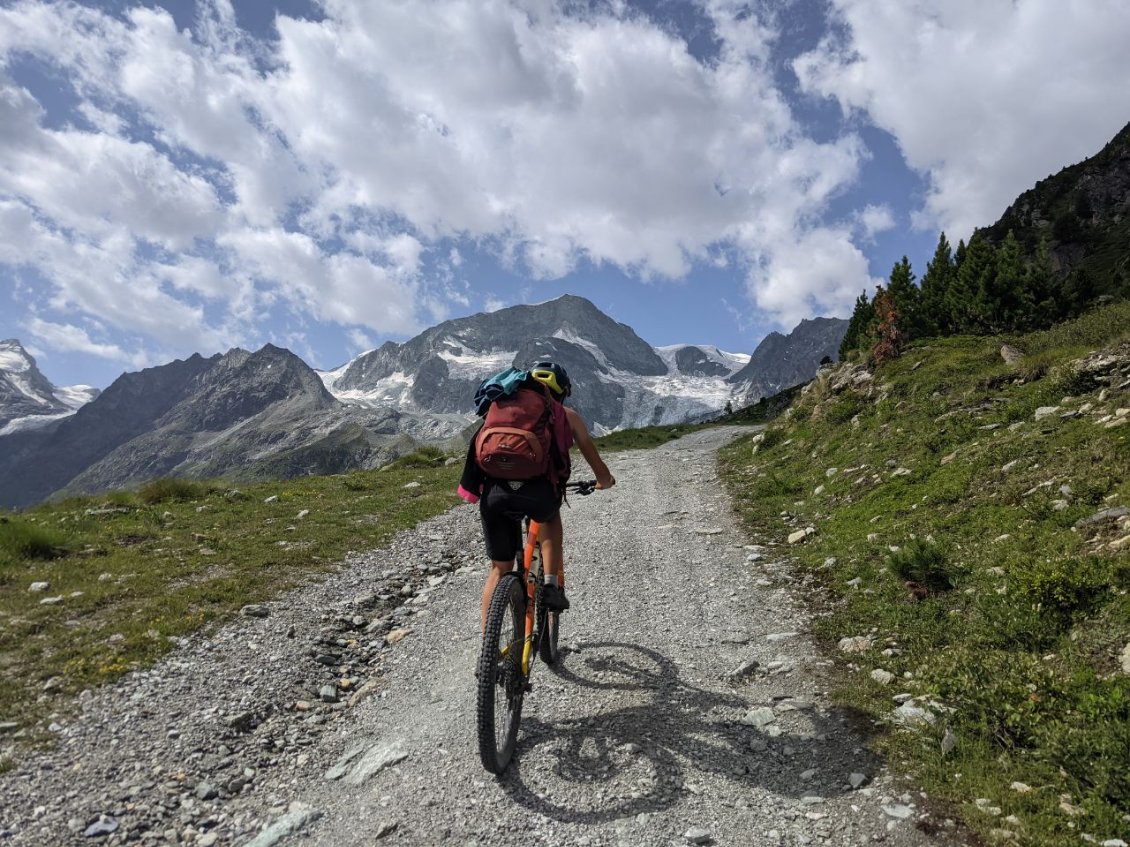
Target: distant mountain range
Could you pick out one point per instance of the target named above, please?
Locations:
(27, 397)
(267, 414)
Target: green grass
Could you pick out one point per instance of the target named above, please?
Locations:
(993, 603)
(643, 438)
(135, 569)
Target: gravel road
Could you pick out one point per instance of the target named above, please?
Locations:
(344, 713)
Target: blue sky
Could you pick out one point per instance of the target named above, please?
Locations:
(181, 177)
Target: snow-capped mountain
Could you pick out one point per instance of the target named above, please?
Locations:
(267, 414)
(619, 380)
(27, 397)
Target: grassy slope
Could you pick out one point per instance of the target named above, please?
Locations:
(1017, 639)
(175, 557)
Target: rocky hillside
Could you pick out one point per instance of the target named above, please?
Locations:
(963, 515)
(248, 415)
(1084, 212)
(782, 361)
(27, 397)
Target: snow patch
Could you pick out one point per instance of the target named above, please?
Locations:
(13, 359)
(733, 362)
(394, 390)
(30, 422)
(74, 397)
(465, 363)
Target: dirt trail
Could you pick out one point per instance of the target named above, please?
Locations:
(643, 736)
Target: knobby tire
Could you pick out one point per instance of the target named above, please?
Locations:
(500, 682)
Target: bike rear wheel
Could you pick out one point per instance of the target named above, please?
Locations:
(549, 625)
(501, 685)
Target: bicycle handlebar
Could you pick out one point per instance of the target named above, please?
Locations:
(584, 487)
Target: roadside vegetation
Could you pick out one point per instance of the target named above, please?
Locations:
(93, 587)
(972, 540)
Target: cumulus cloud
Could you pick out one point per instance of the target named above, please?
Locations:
(875, 219)
(985, 98)
(339, 171)
(71, 338)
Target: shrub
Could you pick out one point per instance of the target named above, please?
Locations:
(425, 457)
(1069, 588)
(924, 563)
(169, 490)
(22, 540)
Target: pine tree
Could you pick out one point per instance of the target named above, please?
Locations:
(906, 297)
(1040, 281)
(1006, 305)
(964, 301)
(861, 318)
(940, 272)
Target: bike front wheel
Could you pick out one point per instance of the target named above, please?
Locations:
(501, 684)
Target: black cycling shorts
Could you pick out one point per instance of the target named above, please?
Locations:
(502, 508)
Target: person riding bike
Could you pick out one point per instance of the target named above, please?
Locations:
(502, 503)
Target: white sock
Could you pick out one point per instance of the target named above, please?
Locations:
(551, 579)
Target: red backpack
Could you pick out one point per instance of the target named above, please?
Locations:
(516, 441)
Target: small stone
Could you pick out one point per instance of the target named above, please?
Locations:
(898, 811)
(255, 610)
(1020, 787)
(103, 826)
(302, 514)
(51, 601)
(328, 694)
(857, 780)
(274, 498)
(882, 677)
(948, 742)
(1045, 411)
(386, 828)
(37, 587)
(744, 669)
(759, 717)
(397, 635)
(1124, 659)
(208, 839)
(781, 636)
(205, 791)
(798, 536)
(411, 485)
(855, 644)
(697, 835)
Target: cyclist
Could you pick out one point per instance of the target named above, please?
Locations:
(503, 503)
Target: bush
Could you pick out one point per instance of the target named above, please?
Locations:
(1070, 588)
(167, 490)
(924, 563)
(22, 540)
(425, 457)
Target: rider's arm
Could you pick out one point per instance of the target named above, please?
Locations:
(604, 478)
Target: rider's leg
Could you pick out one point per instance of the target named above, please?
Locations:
(497, 569)
(551, 542)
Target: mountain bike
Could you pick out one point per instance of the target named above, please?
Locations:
(519, 628)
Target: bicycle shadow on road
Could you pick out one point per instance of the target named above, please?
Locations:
(618, 761)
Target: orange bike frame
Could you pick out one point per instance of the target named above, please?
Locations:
(531, 590)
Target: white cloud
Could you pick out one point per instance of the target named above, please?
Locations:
(985, 97)
(875, 219)
(332, 174)
(71, 338)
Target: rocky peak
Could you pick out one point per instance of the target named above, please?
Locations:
(27, 397)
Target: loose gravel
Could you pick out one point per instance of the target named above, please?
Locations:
(689, 706)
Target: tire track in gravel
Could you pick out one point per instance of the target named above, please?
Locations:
(641, 736)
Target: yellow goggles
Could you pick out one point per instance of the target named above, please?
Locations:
(548, 378)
